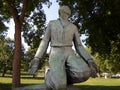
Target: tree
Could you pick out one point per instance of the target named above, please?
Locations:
(3, 28)
(20, 10)
(99, 20)
(107, 65)
(6, 55)
(28, 56)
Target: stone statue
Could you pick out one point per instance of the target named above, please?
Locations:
(65, 66)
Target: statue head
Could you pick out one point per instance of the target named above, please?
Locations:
(64, 10)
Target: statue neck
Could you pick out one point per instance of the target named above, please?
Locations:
(64, 19)
(64, 22)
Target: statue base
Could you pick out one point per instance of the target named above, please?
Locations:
(43, 87)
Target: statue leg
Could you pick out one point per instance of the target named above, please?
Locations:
(56, 76)
(77, 70)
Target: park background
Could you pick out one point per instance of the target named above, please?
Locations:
(98, 22)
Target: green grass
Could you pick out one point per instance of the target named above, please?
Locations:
(91, 84)
(100, 84)
(5, 82)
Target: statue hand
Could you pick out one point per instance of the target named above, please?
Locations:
(33, 65)
(93, 68)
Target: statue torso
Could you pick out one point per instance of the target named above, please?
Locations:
(61, 35)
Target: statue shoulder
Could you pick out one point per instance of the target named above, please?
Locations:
(53, 21)
(73, 26)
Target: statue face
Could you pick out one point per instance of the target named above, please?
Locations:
(64, 12)
(64, 15)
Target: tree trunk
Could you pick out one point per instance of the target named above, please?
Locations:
(18, 19)
(17, 56)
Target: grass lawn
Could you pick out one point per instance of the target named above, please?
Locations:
(100, 84)
(91, 84)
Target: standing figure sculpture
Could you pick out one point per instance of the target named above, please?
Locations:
(65, 66)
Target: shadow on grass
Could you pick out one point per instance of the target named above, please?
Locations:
(32, 78)
(82, 87)
(98, 87)
(25, 77)
(9, 86)
(5, 86)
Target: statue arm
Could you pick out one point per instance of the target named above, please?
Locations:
(44, 44)
(84, 54)
(79, 47)
(33, 65)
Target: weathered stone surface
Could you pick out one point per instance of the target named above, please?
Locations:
(43, 87)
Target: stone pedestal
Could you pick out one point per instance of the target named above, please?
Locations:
(42, 87)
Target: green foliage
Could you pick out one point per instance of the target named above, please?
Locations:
(29, 55)
(33, 28)
(6, 53)
(107, 65)
(3, 28)
(34, 23)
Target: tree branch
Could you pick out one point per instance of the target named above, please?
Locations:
(14, 13)
(23, 11)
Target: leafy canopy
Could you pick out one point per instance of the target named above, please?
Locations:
(34, 23)
(99, 20)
